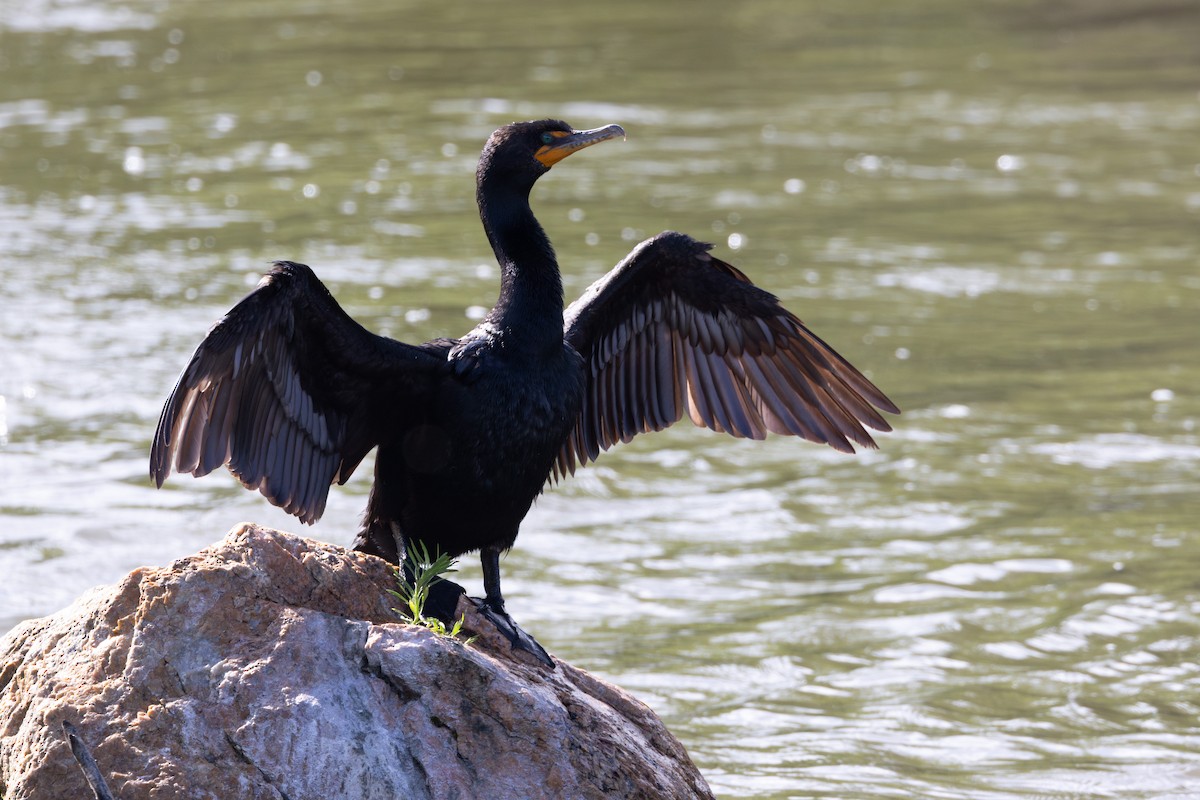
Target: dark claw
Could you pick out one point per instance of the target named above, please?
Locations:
(519, 639)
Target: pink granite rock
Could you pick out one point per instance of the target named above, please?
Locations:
(271, 666)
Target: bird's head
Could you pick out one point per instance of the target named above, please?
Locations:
(529, 149)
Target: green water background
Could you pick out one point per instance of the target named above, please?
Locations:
(992, 208)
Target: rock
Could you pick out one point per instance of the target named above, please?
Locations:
(271, 666)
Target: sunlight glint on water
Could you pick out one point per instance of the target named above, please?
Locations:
(993, 212)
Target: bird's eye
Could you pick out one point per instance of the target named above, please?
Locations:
(547, 138)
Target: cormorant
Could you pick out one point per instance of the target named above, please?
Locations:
(291, 394)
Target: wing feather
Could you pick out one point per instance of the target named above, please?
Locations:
(278, 391)
(665, 374)
(673, 331)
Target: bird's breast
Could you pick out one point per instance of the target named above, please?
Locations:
(508, 412)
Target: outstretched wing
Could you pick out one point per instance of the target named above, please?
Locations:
(672, 330)
(290, 393)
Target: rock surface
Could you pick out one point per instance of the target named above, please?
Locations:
(271, 666)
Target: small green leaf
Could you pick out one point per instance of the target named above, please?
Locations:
(414, 594)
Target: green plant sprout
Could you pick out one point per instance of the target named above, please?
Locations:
(414, 593)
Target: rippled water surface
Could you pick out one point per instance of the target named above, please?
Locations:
(993, 208)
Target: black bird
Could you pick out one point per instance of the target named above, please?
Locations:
(291, 394)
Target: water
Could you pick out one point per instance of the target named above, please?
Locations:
(991, 208)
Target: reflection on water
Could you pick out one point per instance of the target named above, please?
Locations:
(993, 210)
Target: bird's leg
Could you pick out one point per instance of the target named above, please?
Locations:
(492, 607)
(490, 559)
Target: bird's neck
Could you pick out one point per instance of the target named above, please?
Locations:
(529, 311)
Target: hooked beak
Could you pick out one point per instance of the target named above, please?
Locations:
(566, 143)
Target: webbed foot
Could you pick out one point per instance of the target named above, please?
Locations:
(442, 603)
(517, 638)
